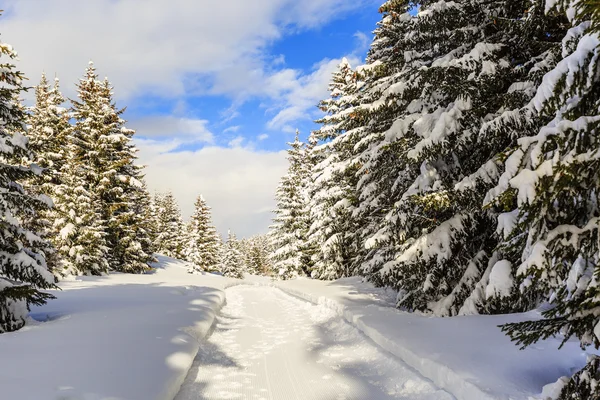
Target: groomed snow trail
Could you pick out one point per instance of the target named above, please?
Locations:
(268, 345)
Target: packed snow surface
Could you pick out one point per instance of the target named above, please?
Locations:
(269, 345)
(468, 356)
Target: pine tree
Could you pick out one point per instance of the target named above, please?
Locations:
(170, 240)
(423, 164)
(256, 251)
(23, 272)
(232, 263)
(203, 241)
(549, 192)
(332, 236)
(48, 135)
(107, 156)
(80, 237)
(289, 231)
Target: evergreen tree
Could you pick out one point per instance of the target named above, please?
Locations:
(549, 192)
(23, 272)
(423, 164)
(203, 241)
(289, 232)
(232, 263)
(80, 237)
(171, 234)
(48, 134)
(332, 235)
(107, 157)
(256, 252)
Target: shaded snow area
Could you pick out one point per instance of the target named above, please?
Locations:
(269, 345)
(468, 356)
(114, 337)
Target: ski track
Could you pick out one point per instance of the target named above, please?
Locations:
(268, 345)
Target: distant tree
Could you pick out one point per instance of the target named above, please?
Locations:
(232, 262)
(203, 241)
(170, 239)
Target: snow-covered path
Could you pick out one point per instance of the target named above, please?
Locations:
(269, 345)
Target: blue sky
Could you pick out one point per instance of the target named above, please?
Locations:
(214, 89)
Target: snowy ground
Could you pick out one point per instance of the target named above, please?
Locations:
(467, 356)
(135, 337)
(269, 345)
(116, 337)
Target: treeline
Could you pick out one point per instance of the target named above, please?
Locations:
(460, 166)
(198, 242)
(73, 201)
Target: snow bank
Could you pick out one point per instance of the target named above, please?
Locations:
(468, 355)
(119, 337)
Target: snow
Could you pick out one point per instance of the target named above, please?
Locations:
(269, 345)
(118, 337)
(467, 356)
(501, 280)
(137, 337)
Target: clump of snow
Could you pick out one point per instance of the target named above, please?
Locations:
(501, 280)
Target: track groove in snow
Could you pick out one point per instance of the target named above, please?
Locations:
(269, 345)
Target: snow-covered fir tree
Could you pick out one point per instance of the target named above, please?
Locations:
(107, 156)
(80, 238)
(48, 135)
(431, 91)
(256, 251)
(290, 228)
(232, 261)
(23, 271)
(549, 192)
(202, 248)
(171, 231)
(332, 237)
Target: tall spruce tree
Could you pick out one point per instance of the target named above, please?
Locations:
(23, 272)
(430, 163)
(48, 135)
(289, 231)
(549, 192)
(331, 187)
(107, 159)
(203, 241)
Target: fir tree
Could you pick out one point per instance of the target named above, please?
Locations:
(203, 241)
(23, 272)
(170, 240)
(48, 134)
(232, 263)
(256, 252)
(289, 231)
(107, 157)
(549, 192)
(426, 166)
(332, 236)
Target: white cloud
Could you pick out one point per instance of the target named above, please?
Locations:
(238, 183)
(263, 136)
(363, 41)
(236, 142)
(156, 47)
(186, 129)
(301, 93)
(232, 129)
